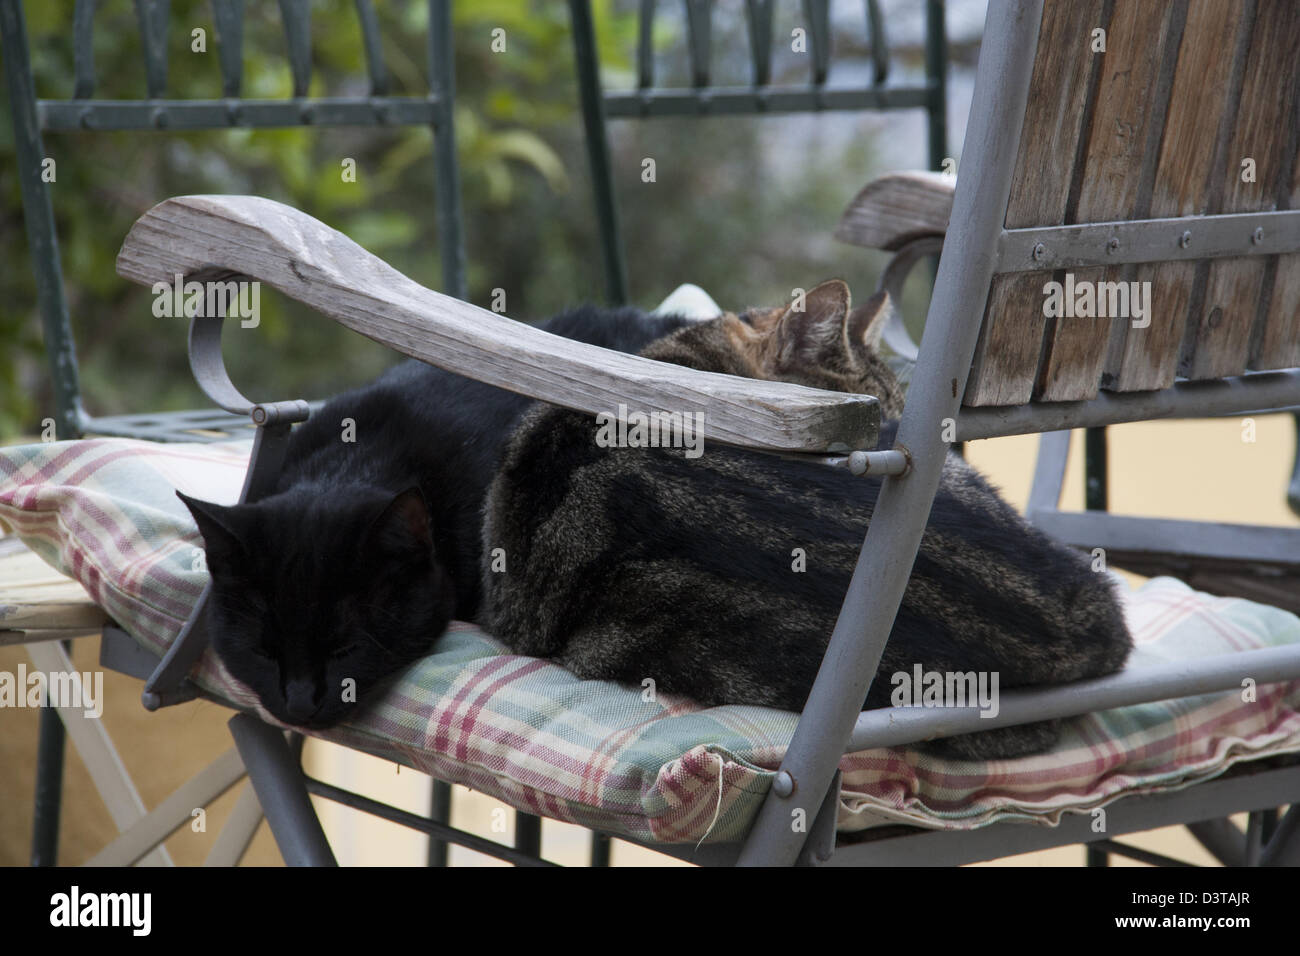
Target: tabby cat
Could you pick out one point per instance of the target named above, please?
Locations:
(367, 548)
(633, 563)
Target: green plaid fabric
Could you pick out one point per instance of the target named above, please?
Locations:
(604, 756)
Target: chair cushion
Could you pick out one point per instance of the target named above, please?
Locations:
(526, 731)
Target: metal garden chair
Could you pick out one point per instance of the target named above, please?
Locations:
(1017, 218)
(33, 117)
(703, 98)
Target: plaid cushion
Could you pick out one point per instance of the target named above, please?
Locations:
(597, 754)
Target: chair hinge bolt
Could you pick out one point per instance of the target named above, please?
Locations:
(783, 784)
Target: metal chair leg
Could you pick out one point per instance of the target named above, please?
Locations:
(49, 789)
(1222, 838)
(439, 812)
(528, 833)
(1284, 847)
(278, 780)
(600, 849)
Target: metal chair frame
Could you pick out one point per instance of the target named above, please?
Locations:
(832, 724)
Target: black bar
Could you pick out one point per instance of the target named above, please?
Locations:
(767, 99)
(1096, 490)
(439, 812)
(936, 75)
(451, 237)
(593, 118)
(528, 833)
(49, 789)
(1133, 853)
(459, 837)
(601, 845)
(76, 115)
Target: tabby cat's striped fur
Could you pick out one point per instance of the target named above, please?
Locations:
(635, 563)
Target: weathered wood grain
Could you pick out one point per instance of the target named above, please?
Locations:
(1007, 355)
(891, 211)
(1148, 358)
(1277, 340)
(1127, 121)
(1218, 340)
(33, 596)
(310, 262)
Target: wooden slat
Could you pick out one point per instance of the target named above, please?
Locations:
(1280, 340)
(310, 262)
(1277, 342)
(1006, 358)
(1145, 359)
(1127, 120)
(1218, 341)
(891, 211)
(33, 596)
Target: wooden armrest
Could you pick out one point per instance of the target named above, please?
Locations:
(893, 210)
(307, 260)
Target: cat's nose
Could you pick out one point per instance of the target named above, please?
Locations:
(300, 700)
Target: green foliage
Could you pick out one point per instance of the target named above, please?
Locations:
(725, 212)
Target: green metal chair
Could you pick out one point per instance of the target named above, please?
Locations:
(33, 117)
(703, 98)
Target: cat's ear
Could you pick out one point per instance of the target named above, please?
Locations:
(404, 525)
(811, 331)
(221, 530)
(866, 324)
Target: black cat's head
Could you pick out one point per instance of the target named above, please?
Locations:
(316, 599)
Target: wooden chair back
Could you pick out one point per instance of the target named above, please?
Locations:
(1152, 111)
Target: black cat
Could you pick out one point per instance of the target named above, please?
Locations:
(367, 548)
